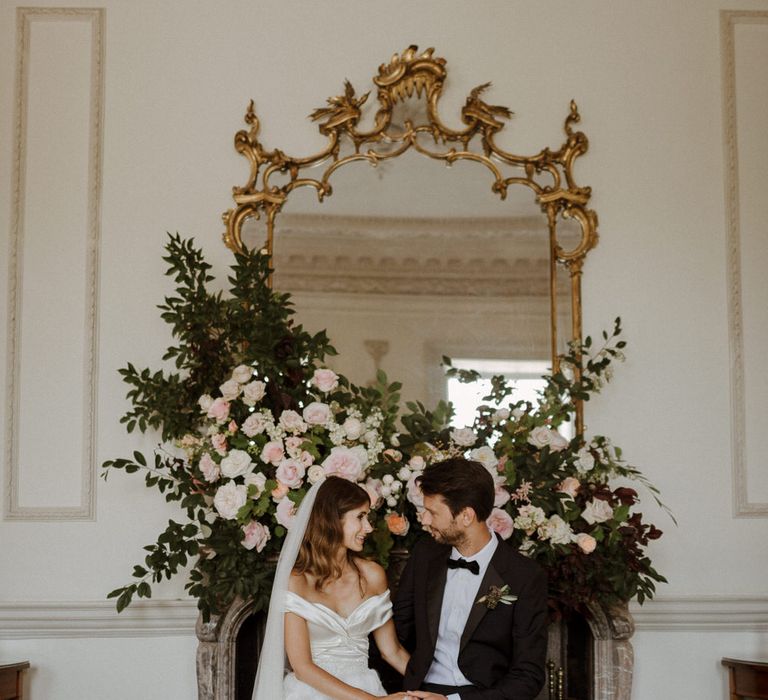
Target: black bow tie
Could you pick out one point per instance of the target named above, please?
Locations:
(472, 566)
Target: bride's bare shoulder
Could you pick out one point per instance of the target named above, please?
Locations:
(298, 583)
(374, 575)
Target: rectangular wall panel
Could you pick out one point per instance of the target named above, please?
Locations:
(54, 264)
(745, 44)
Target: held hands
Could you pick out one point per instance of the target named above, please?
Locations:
(414, 695)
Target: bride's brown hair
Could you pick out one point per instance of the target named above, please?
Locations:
(324, 535)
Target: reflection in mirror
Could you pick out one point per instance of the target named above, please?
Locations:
(410, 261)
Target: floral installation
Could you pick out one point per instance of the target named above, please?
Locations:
(495, 596)
(253, 417)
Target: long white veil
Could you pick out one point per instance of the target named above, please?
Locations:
(269, 678)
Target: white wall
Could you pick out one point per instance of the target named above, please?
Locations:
(647, 78)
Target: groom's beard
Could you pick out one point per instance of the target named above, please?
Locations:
(452, 535)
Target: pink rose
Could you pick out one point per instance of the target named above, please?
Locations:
(272, 453)
(413, 492)
(219, 410)
(291, 473)
(232, 427)
(293, 445)
(501, 495)
(501, 466)
(285, 513)
(291, 421)
(209, 468)
(586, 542)
(307, 458)
(254, 424)
(373, 487)
(256, 535)
(219, 442)
(501, 522)
(325, 380)
(343, 462)
(317, 413)
(569, 485)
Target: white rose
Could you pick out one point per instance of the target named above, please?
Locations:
(585, 460)
(229, 499)
(259, 480)
(317, 413)
(540, 436)
(292, 422)
(253, 392)
(597, 511)
(463, 436)
(486, 457)
(205, 402)
(325, 380)
(529, 518)
(236, 463)
(315, 474)
(391, 501)
(255, 424)
(353, 428)
(500, 415)
(230, 389)
(417, 463)
(557, 442)
(404, 474)
(556, 530)
(242, 374)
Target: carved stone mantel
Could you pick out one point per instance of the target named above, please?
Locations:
(612, 654)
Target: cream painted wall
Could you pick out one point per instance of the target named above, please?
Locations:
(647, 78)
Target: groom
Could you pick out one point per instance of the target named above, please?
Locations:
(463, 645)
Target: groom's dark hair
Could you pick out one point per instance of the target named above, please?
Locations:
(462, 483)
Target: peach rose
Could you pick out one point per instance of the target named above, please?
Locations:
(278, 493)
(569, 485)
(219, 443)
(398, 524)
(586, 542)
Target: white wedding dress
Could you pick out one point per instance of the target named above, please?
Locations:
(339, 644)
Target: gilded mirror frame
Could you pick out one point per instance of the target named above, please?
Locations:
(548, 174)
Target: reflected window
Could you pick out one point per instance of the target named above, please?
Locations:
(524, 375)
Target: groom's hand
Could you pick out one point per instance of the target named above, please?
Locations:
(425, 695)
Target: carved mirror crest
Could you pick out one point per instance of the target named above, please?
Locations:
(478, 257)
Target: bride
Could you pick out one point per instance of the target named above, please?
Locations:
(326, 600)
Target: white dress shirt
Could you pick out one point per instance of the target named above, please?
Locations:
(461, 592)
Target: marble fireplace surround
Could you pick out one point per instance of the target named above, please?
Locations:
(610, 675)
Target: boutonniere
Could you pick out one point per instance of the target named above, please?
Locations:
(497, 595)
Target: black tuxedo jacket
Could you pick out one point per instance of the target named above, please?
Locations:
(503, 650)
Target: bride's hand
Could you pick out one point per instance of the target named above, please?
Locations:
(397, 696)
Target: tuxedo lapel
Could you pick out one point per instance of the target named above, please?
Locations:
(437, 571)
(479, 610)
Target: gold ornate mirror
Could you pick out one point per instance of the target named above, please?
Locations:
(503, 237)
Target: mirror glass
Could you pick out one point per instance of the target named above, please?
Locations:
(411, 260)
